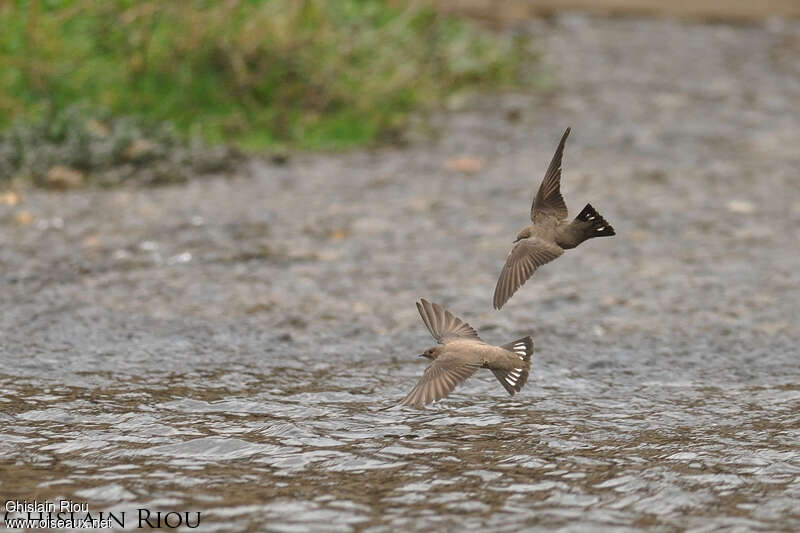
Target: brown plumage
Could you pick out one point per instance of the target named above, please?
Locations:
(461, 353)
(550, 234)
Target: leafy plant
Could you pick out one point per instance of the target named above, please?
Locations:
(306, 73)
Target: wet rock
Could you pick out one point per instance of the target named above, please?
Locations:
(63, 177)
(465, 164)
(23, 218)
(139, 150)
(742, 207)
(10, 198)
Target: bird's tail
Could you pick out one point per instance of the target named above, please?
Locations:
(593, 224)
(515, 378)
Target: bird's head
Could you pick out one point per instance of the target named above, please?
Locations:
(432, 352)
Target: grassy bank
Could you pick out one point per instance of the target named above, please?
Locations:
(257, 73)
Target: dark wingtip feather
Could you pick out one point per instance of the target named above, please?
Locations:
(503, 291)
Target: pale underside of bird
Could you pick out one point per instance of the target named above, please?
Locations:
(461, 353)
(549, 234)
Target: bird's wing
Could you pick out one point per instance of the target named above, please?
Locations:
(548, 201)
(439, 380)
(525, 257)
(442, 324)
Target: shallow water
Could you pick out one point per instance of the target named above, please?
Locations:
(227, 346)
(576, 453)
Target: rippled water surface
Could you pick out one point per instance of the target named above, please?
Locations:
(231, 346)
(250, 452)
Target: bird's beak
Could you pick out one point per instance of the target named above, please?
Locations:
(421, 355)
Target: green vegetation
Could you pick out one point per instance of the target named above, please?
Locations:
(256, 73)
(67, 146)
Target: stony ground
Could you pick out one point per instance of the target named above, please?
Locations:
(684, 136)
(512, 11)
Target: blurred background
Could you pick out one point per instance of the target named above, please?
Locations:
(217, 216)
(99, 85)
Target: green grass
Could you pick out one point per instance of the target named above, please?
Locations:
(256, 73)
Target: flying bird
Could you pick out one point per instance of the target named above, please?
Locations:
(461, 353)
(550, 234)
